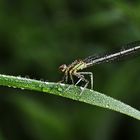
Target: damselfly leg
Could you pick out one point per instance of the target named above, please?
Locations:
(90, 75)
(81, 77)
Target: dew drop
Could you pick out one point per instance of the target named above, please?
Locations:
(107, 105)
(46, 82)
(40, 85)
(42, 79)
(62, 84)
(60, 89)
(27, 77)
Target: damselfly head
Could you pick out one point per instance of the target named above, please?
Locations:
(63, 67)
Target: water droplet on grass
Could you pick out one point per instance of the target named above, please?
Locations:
(46, 82)
(107, 105)
(60, 89)
(62, 84)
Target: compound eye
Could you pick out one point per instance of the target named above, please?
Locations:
(63, 67)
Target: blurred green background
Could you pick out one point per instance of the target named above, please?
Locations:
(38, 36)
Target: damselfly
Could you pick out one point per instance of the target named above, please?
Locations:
(74, 69)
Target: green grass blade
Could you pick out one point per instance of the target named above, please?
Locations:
(88, 96)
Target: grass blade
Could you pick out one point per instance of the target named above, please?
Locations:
(88, 96)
